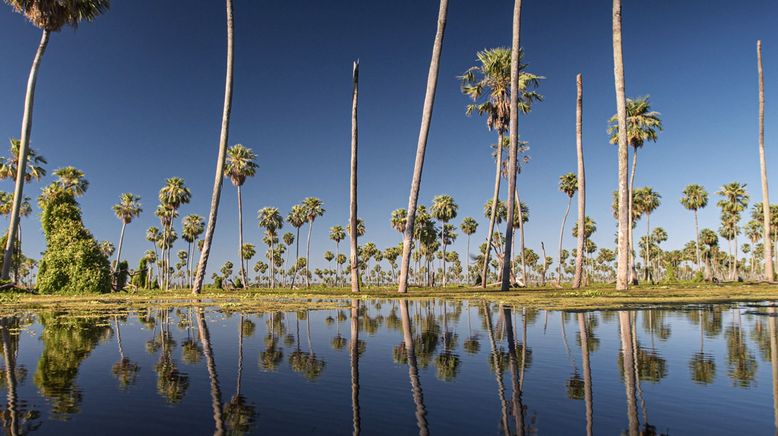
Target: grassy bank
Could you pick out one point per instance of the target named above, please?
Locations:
(264, 300)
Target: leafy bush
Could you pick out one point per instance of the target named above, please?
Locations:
(73, 262)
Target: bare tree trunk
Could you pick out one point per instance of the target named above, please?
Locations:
(353, 207)
(513, 151)
(622, 276)
(240, 238)
(768, 243)
(697, 240)
(633, 276)
(467, 260)
(429, 101)
(581, 185)
(625, 328)
(493, 213)
(219, 177)
(119, 248)
(308, 256)
(521, 240)
(24, 149)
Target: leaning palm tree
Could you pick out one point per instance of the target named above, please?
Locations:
(444, 209)
(577, 277)
(643, 125)
(421, 147)
(126, 210)
(192, 227)
(270, 220)
(695, 197)
(220, 157)
(240, 165)
(49, 16)
(469, 226)
(353, 182)
(646, 202)
(490, 81)
(337, 234)
(314, 208)
(768, 243)
(622, 275)
(568, 184)
(297, 218)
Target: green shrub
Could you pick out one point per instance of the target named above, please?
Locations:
(73, 262)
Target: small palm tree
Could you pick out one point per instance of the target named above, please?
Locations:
(695, 197)
(314, 208)
(399, 217)
(337, 234)
(9, 166)
(240, 165)
(568, 184)
(444, 209)
(270, 220)
(49, 16)
(734, 200)
(192, 227)
(469, 226)
(297, 218)
(172, 195)
(646, 202)
(126, 210)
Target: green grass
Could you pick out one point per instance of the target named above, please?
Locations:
(265, 300)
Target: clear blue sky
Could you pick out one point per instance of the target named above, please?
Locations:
(136, 97)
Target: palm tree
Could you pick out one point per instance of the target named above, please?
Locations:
(647, 201)
(568, 184)
(126, 210)
(622, 275)
(192, 227)
(223, 138)
(444, 209)
(337, 234)
(71, 179)
(240, 165)
(734, 201)
(695, 197)
(581, 185)
(172, 195)
(398, 220)
(643, 125)
(753, 231)
(270, 220)
(314, 208)
(513, 149)
(768, 243)
(421, 147)
(353, 182)
(297, 218)
(491, 81)
(153, 235)
(49, 17)
(469, 226)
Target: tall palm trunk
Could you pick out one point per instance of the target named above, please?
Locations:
(119, 249)
(213, 376)
(218, 179)
(443, 242)
(766, 218)
(622, 275)
(240, 239)
(337, 265)
(771, 322)
(413, 371)
(272, 265)
(493, 212)
(421, 147)
(355, 366)
(9, 357)
(513, 152)
(561, 238)
(353, 191)
(24, 149)
(632, 269)
(189, 263)
(581, 185)
(467, 260)
(587, 370)
(521, 240)
(308, 256)
(649, 273)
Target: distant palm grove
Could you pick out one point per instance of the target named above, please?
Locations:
(502, 88)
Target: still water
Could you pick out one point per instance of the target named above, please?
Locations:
(393, 367)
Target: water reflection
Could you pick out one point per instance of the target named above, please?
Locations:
(469, 367)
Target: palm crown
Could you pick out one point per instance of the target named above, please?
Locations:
(568, 183)
(71, 179)
(314, 207)
(270, 219)
(399, 219)
(128, 207)
(54, 15)
(240, 164)
(643, 124)
(174, 193)
(9, 166)
(734, 198)
(297, 216)
(469, 226)
(192, 227)
(444, 208)
(694, 197)
(337, 233)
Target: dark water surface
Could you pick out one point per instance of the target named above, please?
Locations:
(393, 367)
